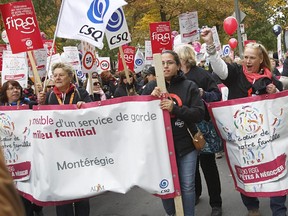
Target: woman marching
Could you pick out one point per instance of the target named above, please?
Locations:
(253, 77)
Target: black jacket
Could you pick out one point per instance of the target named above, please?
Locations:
(239, 86)
(188, 109)
(80, 94)
(204, 80)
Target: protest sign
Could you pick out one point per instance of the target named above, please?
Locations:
(129, 55)
(254, 130)
(15, 67)
(160, 36)
(188, 23)
(148, 53)
(21, 26)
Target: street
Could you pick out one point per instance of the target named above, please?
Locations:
(139, 203)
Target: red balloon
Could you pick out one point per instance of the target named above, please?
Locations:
(230, 25)
(233, 43)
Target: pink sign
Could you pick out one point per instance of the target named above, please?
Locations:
(21, 26)
(129, 55)
(160, 35)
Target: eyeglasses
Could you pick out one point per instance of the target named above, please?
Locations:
(14, 88)
(168, 63)
(50, 86)
(96, 83)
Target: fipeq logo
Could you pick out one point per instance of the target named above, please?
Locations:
(26, 26)
(115, 24)
(97, 10)
(162, 38)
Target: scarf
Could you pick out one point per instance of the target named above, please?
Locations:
(252, 77)
(60, 94)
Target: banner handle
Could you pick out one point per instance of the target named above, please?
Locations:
(157, 61)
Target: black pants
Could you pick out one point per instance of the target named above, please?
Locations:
(211, 175)
(28, 206)
(82, 208)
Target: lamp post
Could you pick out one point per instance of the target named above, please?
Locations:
(237, 13)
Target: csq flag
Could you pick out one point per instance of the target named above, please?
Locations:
(139, 61)
(86, 20)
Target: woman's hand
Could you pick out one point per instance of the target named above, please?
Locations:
(41, 97)
(166, 104)
(79, 104)
(156, 92)
(207, 35)
(271, 88)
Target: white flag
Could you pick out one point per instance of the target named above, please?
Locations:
(86, 20)
(139, 61)
(117, 32)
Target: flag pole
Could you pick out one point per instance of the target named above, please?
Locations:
(54, 40)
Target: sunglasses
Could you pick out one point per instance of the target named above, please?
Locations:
(96, 83)
(50, 86)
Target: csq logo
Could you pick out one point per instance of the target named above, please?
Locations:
(139, 62)
(163, 185)
(115, 23)
(97, 11)
(95, 14)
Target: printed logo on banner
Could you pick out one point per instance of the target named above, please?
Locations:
(226, 50)
(163, 185)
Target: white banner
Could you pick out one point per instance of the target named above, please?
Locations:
(77, 153)
(117, 32)
(86, 20)
(15, 67)
(103, 63)
(255, 130)
(188, 23)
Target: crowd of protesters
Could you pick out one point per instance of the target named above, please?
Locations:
(182, 74)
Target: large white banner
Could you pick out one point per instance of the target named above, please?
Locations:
(86, 20)
(255, 130)
(68, 153)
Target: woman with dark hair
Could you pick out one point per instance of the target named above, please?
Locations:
(209, 92)
(125, 87)
(12, 95)
(109, 83)
(186, 109)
